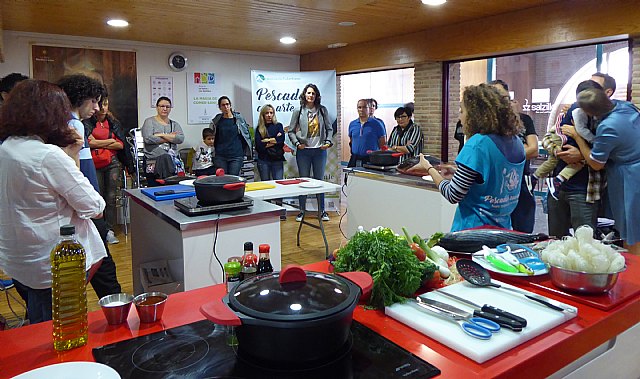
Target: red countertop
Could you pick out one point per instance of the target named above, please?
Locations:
(29, 347)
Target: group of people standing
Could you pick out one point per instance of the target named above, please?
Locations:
(48, 179)
(228, 141)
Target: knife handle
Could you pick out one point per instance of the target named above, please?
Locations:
(500, 320)
(497, 311)
(545, 303)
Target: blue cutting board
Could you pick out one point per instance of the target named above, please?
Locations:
(176, 187)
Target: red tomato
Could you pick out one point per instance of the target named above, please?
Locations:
(418, 252)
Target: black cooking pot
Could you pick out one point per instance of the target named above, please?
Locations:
(219, 188)
(291, 316)
(384, 157)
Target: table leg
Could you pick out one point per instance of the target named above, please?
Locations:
(321, 227)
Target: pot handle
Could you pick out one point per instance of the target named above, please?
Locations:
(292, 274)
(161, 181)
(220, 172)
(362, 280)
(219, 313)
(397, 154)
(233, 186)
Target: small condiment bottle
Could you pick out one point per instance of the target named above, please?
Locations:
(232, 274)
(264, 264)
(249, 262)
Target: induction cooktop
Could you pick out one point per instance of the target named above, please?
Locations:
(192, 207)
(200, 350)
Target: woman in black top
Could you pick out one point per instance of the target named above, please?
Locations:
(270, 145)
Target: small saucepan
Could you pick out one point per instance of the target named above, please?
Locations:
(219, 188)
(384, 157)
(293, 316)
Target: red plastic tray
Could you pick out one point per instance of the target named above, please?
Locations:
(627, 286)
(291, 181)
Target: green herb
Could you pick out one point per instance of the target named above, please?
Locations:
(396, 271)
(435, 238)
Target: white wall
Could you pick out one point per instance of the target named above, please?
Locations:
(232, 69)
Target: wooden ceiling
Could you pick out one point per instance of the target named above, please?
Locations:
(247, 25)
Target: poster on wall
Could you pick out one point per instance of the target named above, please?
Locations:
(202, 97)
(116, 69)
(282, 90)
(161, 86)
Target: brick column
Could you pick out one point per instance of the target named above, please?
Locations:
(635, 73)
(428, 104)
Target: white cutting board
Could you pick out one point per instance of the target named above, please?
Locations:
(539, 320)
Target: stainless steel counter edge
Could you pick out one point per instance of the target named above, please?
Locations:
(168, 212)
(391, 176)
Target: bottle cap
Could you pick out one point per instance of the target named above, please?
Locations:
(248, 246)
(67, 230)
(264, 248)
(232, 268)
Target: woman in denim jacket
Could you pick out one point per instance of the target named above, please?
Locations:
(233, 141)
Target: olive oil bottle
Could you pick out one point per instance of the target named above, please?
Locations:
(69, 291)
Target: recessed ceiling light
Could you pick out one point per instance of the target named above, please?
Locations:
(117, 23)
(287, 40)
(433, 2)
(337, 45)
(346, 23)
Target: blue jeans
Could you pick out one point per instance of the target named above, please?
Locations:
(571, 210)
(306, 160)
(231, 166)
(39, 306)
(270, 170)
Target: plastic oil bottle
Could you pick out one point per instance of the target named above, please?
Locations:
(69, 291)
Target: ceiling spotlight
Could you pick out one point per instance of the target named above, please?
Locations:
(287, 40)
(117, 23)
(346, 23)
(433, 2)
(337, 45)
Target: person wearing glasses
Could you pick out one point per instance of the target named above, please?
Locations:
(161, 136)
(233, 141)
(406, 137)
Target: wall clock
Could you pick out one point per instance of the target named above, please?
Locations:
(177, 61)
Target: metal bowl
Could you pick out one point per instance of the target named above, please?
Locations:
(583, 282)
(116, 307)
(150, 305)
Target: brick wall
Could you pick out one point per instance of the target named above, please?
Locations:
(635, 73)
(428, 104)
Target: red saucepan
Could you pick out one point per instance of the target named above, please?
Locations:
(291, 316)
(219, 188)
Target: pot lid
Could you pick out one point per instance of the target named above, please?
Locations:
(317, 295)
(218, 178)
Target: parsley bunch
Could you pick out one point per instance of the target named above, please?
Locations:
(396, 271)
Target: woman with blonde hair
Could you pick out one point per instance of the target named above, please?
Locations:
(486, 184)
(270, 145)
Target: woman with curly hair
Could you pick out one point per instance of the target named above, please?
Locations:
(486, 185)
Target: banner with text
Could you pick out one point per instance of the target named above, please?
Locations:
(202, 97)
(282, 90)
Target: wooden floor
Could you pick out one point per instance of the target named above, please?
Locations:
(311, 250)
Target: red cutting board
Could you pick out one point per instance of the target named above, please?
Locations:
(627, 286)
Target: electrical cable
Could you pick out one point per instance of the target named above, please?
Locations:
(215, 240)
(19, 320)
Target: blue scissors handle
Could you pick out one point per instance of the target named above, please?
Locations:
(475, 330)
(491, 326)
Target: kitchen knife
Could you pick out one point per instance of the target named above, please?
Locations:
(500, 320)
(486, 308)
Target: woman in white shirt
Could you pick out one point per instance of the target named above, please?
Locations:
(41, 189)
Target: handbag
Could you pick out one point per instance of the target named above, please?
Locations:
(101, 157)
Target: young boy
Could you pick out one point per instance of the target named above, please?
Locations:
(554, 140)
(203, 158)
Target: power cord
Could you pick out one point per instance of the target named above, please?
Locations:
(19, 320)
(215, 240)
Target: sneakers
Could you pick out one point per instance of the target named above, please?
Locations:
(300, 216)
(553, 184)
(5, 284)
(111, 238)
(324, 216)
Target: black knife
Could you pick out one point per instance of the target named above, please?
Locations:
(488, 309)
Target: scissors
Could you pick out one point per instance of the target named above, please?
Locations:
(477, 327)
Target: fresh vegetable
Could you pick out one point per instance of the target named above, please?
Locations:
(434, 239)
(433, 256)
(583, 253)
(396, 271)
(418, 252)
